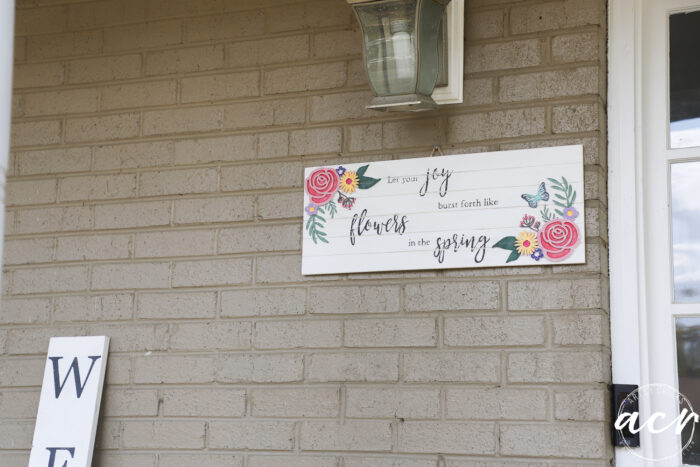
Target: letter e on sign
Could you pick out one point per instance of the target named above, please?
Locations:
(71, 392)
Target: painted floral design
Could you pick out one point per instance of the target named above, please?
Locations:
(556, 236)
(322, 186)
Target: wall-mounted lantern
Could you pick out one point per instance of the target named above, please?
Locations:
(402, 56)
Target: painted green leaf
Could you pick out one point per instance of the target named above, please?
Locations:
(507, 243)
(573, 199)
(513, 256)
(559, 212)
(367, 182)
(361, 171)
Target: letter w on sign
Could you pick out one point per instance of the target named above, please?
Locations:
(64, 435)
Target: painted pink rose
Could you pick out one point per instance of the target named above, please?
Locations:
(558, 238)
(322, 185)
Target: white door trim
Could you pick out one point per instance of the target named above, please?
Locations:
(625, 214)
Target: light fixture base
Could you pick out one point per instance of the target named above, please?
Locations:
(403, 103)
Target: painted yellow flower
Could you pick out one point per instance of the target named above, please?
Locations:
(526, 243)
(348, 182)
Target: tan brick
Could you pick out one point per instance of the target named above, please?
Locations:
(554, 15)
(474, 367)
(411, 403)
(261, 176)
(97, 187)
(148, 434)
(139, 94)
(575, 118)
(134, 155)
(316, 141)
(496, 124)
(580, 329)
(40, 20)
(554, 294)
(386, 461)
(17, 435)
(271, 269)
(257, 114)
(504, 55)
(28, 251)
(176, 305)
(19, 404)
(342, 106)
(259, 368)
(448, 437)
(495, 331)
(52, 161)
(224, 26)
(64, 44)
(530, 439)
(165, 62)
(20, 49)
(257, 239)
(51, 279)
(297, 334)
(117, 126)
(60, 102)
(337, 43)
(103, 13)
(549, 84)
(112, 307)
(391, 332)
(188, 460)
(104, 69)
(440, 296)
(214, 272)
(206, 210)
(349, 366)
(178, 182)
(365, 137)
(35, 133)
(82, 248)
(141, 337)
(579, 47)
(119, 216)
(130, 403)
(263, 302)
(156, 369)
(30, 192)
(220, 87)
(305, 78)
(484, 24)
(118, 459)
(268, 436)
(365, 299)
(496, 403)
(292, 461)
(38, 74)
(556, 367)
(203, 403)
(211, 336)
(581, 405)
(231, 148)
(276, 206)
(108, 436)
(268, 51)
(478, 91)
(131, 276)
(314, 402)
(21, 372)
(163, 122)
(347, 436)
(314, 14)
(409, 133)
(176, 243)
(25, 311)
(273, 144)
(54, 219)
(144, 35)
(177, 8)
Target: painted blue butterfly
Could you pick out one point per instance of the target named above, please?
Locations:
(541, 195)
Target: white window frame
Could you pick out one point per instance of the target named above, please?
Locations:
(453, 92)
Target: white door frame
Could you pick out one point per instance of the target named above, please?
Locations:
(629, 294)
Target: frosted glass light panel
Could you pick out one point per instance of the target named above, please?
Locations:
(685, 213)
(684, 79)
(688, 358)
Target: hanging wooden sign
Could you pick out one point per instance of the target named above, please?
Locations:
(66, 424)
(514, 208)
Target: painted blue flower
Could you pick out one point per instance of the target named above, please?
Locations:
(537, 255)
(340, 171)
(311, 209)
(570, 213)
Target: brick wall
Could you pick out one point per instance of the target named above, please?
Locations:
(155, 195)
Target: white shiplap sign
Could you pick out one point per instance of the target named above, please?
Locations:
(514, 208)
(71, 392)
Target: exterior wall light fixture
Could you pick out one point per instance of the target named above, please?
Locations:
(407, 47)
